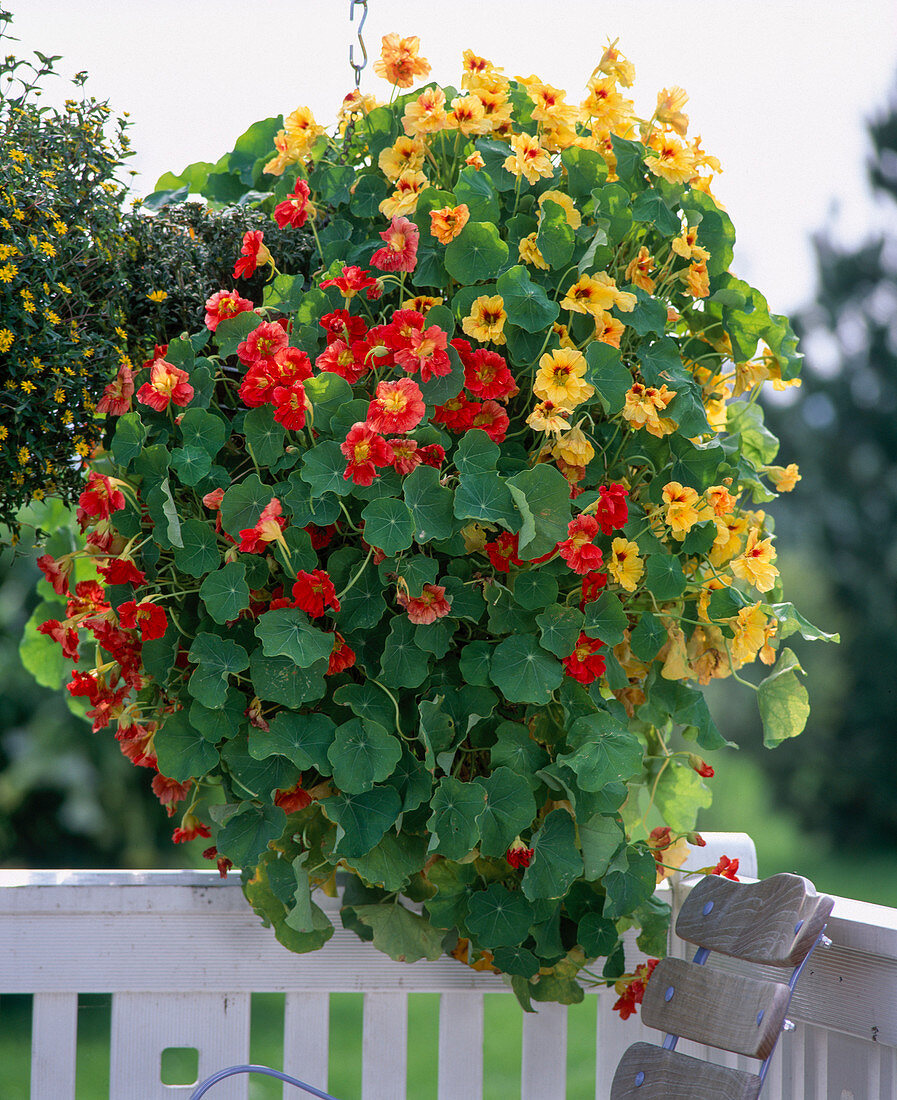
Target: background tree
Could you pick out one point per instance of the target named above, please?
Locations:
(841, 429)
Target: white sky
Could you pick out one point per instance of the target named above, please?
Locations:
(779, 89)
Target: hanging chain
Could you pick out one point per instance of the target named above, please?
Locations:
(363, 4)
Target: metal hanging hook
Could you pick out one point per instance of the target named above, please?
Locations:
(363, 4)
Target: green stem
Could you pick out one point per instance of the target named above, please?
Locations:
(395, 703)
(357, 575)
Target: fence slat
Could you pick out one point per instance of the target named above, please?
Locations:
(544, 1053)
(461, 1046)
(54, 1043)
(384, 1047)
(144, 1024)
(306, 1039)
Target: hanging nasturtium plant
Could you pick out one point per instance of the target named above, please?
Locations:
(416, 572)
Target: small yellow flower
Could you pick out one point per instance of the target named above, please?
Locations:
(684, 508)
(53, 317)
(47, 249)
(755, 564)
(548, 417)
(697, 280)
(405, 154)
(639, 270)
(64, 288)
(7, 339)
(403, 200)
(486, 320)
(426, 114)
(784, 478)
(157, 295)
(670, 102)
(8, 272)
(625, 565)
(27, 386)
(750, 634)
(574, 448)
(23, 455)
(597, 293)
(529, 159)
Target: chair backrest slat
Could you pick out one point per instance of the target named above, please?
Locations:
(647, 1072)
(727, 1011)
(774, 922)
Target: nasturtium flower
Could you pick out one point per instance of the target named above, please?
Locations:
(486, 320)
(121, 571)
(264, 343)
(528, 159)
(670, 159)
(585, 664)
(313, 592)
(491, 418)
(502, 552)
(116, 399)
(593, 583)
(686, 246)
(574, 448)
(342, 657)
(697, 279)
(783, 478)
(422, 303)
(577, 549)
(341, 325)
(615, 65)
(405, 154)
(365, 451)
(684, 508)
(399, 61)
(296, 209)
(668, 112)
(147, 617)
(478, 71)
(749, 627)
(625, 565)
(189, 829)
(396, 407)
(222, 305)
(468, 116)
(638, 272)
(58, 571)
(518, 855)
(425, 351)
(429, 606)
(403, 200)
(268, 528)
(642, 406)
(486, 375)
(475, 160)
(426, 114)
(608, 329)
(290, 405)
(253, 253)
(561, 378)
(528, 251)
(352, 281)
(719, 499)
(400, 251)
(565, 201)
(406, 455)
(594, 294)
(167, 385)
(754, 565)
(607, 108)
(447, 223)
(456, 414)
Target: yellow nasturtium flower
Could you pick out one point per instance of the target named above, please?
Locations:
(486, 320)
(625, 565)
(404, 154)
(561, 378)
(755, 564)
(528, 159)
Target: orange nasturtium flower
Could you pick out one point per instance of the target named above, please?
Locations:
(528, 251)
(639, 270)
(399, 62)
(670, 102)
(672, 160)
(597, 293)
(404, 153)
(755, 564)
(426, 114)
(447, 223)
(643, 403)
(404, 199)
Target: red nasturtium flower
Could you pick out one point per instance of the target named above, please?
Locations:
(612, 511)
(502, 552)
(425, 351)
(263, 342)
(406, 455)
(146, 616)
(429, 606)
(99, 500)
(224, 864)
(365, 450)
(352, 281)
(585, 664)
(700, 766)
(292, 799)
(491, 418)
(253, 253)
(296, 209)
(726, 868)
(313, 592)
(400, 250)
(291, 404)
(518, 855)
(116, 399)
(349, 361)
(121, 571)
(396, 406)
(189, 829)
(341, 325)
(268, 529)
(578, 550)
(631, 988)
(66, 636)
(592, 584)
(168, 385)
(56, 572)
(432, 455)
(222, 305)
(486, 375)
(170, 791)
(342, 657)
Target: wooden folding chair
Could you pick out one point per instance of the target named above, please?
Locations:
(775, 922)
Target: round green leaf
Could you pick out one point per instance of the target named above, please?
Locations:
(287, 632)
(225, 592)
(182, 751)
(510, 808)
(478, 253)
(499, 917)
(362, 754)
(523, 672)
(605, 752)
(388, 524)
(431, 504)
(664, 578)
(199, 554)
(597, 935)
(264, 436)
(606, 619)
(609, 375)
(323, 468)
(556, 238)
(404, 664)
(361, 819)
(261, 778)
(453, 822)
(542, 496)
(130, 434)
(302, 738)
(516, 960)
(200, 428)
(535, 590)
(556, 862)
(559, 628)
(216, 658)
(526, 303)
(246, 835)
(242, 504)
(281, 680)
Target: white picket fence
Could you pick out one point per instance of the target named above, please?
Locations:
(181, 953)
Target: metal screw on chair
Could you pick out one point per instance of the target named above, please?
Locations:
(668, 996)
(707, 908)
(639, 1079)
(788, 1025)
(825, 942)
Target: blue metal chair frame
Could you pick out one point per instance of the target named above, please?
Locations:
(203, 1087)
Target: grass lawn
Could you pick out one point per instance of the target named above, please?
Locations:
(502, 1047)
